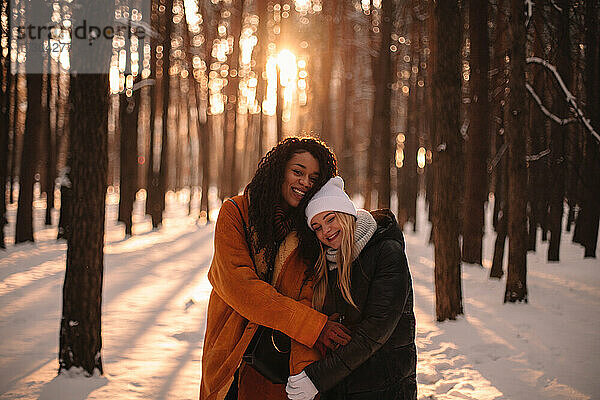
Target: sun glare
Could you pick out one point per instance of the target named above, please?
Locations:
(288, 70)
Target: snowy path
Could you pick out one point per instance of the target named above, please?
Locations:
(155, 296)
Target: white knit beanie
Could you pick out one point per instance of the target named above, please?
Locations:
(331, 197)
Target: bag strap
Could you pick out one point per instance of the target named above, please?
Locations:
(246, 234)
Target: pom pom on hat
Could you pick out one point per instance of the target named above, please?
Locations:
(331, 197)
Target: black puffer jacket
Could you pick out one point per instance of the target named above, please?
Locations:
(380, 360)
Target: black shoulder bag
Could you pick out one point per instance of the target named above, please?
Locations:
(269, 350)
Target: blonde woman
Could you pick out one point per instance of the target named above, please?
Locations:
(362, 274)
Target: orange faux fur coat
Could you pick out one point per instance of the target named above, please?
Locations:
(240, 301)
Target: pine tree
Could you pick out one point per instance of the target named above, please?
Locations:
(476, 140)
(129, 104)
(381, 129)
(80, 327)
(5, 82)
(446, 144)
(516, 281)
(24, 230)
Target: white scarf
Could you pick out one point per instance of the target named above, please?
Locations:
(365, 228)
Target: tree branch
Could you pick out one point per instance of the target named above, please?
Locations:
(553, 117)
(568, 95)
(535, 157)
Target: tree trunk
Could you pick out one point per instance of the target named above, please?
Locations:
(5, 85)
(407, 168)
(13, 144)
(500, 204)
(497, 263)
(326, 61)
(191, 109)
(42, 168)
(128, 117)
(347, 152)
(152, 208)
(80, 327)
(175, 172)
(230, 187)
(66, 199)
(279, 109)
(157, 168)
(476, 141)
(446, 143)
(516, 281)
(24, 231)
(80, 337)
(66, 191)
(50, 148)
(499, 169)
(588, 219)
(557, 141)
(536, 170)
(261, 59)
(206, 125)
(16, 99)
(381, 130)
(164, 182)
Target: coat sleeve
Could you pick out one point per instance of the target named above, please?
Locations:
(234, 280)
(388, 293)
(301, 355)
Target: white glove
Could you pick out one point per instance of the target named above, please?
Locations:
(300, 387)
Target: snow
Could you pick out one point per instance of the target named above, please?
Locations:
(154, 305)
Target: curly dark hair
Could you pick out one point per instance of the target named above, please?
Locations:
(264, 191)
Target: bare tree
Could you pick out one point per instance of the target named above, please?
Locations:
(327, 50)
(262, 35)
(129, 105)
(498, 165)
(206, 126)
(407, 179)
(153, 206)
(446, 144)
(381, 129)
(557, 140)
(162, 21)
(5, 82)
(80, 327)
(24, 229)
(476, 142)
(516, 281)
(588, 218)
(230, 126)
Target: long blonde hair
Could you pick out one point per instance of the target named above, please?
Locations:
(345, 256)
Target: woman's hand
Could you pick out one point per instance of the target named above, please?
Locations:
(334, 334)
(336, 317)
(300, 387)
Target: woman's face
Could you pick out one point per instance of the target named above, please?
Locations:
(328, 229)
(301, 173)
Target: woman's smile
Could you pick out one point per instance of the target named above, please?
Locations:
(334, 239)
(332, 236)
(298, 193)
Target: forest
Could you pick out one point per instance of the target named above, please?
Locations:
(468, 104)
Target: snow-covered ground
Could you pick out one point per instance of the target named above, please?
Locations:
(156, 292)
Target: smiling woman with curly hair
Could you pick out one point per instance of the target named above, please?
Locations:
(266, 202)
(259, 276)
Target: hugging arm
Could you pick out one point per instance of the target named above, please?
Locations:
(234, 280)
